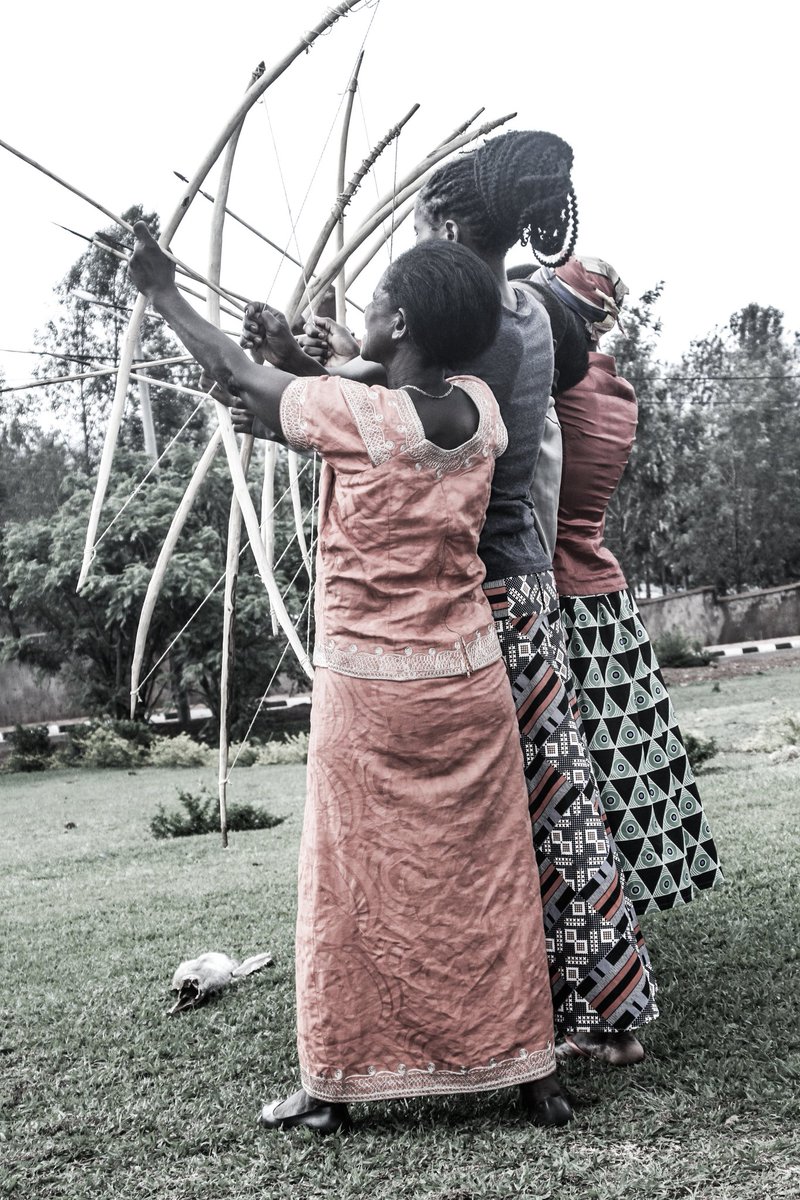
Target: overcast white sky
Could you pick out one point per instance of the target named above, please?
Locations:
(682, 117)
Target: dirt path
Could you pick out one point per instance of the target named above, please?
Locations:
(736, 664)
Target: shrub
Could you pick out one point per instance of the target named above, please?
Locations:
(675, 649)
(32, 750)
(699, 749)
(201, 815)
(83, 740)
(179, 751)
(105, 748)
(245, 756)
(790, 728)
(71, 752)
(138, 732)
(293, 749)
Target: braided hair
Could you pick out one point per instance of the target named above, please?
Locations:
(516, 187)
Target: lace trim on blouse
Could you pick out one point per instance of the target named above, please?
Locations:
(369, 421)
(491, 436)
(429, 1079)
(462, 659)
(293, 425)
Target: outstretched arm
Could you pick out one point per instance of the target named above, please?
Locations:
(256, 388)
(325, 348)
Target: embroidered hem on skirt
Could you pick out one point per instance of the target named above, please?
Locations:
(429, 1080)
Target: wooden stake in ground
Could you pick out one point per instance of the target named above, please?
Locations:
(234, 517)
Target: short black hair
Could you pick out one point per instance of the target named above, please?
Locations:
(450, 298)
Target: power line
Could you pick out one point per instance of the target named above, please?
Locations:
(714, 378)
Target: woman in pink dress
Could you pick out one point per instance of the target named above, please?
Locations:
(421, 965)
(518, 186)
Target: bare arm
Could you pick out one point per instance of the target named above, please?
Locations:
(255, 387)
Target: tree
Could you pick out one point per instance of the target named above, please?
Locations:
(641, 513)
(95, 297)
(46, 484)
(32, 466)
(711, 492)
(90, 636)
(743, 405)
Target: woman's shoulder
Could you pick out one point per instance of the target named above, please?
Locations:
(475, 387)
(492, 426)
(345, 420)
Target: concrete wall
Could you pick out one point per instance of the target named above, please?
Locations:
(25, 700)
(717, 620)
(772, 613)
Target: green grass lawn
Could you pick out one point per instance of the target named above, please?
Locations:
(104, 1096)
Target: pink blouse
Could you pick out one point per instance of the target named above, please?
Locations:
(399, 579)
(598, 427)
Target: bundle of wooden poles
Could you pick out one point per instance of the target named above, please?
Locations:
(341, 270)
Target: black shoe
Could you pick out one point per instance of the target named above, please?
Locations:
(552, 1108)
(316, 1115)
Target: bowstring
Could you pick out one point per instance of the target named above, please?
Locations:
(374, 5)
(154, 466)
(221, 580)
(374, 171)
(263, 699)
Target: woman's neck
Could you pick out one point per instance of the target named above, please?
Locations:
(497, 265)
(496, 262)
(407, 371)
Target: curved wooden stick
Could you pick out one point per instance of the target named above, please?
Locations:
(254, 535)
(253, 94)
(293, 461)
(303, 286)
(164, 558)
(341, 300)
(268, 513)
(383, 209)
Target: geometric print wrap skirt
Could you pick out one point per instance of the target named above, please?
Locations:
(646, 782)
(600, 972)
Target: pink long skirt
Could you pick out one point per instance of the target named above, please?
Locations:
(421, 964)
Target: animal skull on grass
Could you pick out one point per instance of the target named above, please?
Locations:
(198, 978)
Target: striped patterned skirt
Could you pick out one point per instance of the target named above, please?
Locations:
(646, 782)
(600, 971)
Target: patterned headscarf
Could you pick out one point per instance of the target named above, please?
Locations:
(592, 289)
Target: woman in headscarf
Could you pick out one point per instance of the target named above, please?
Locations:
(646, 782)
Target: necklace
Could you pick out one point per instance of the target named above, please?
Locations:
(422, 392)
